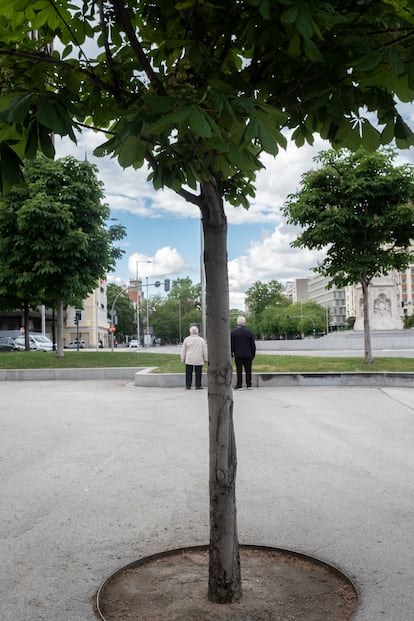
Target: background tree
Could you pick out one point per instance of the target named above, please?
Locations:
(259, 297)
(54, 242)
(124, 309)
(172, 315)
(358, 206)
(308, 318)
(198, 90)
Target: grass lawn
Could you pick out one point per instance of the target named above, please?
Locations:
(170, 363)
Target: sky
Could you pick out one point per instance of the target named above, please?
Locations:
(163, 231)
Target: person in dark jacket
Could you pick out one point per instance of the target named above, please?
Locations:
(243, 348)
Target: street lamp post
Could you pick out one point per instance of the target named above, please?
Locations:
(148, 330)
(124, 288)
(138, 300)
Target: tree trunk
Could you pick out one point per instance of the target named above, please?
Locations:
(26, 325)
(367, 333)
(224, 561)
(59, 331)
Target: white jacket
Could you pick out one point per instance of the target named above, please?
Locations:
(194, 350)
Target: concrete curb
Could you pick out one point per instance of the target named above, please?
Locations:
(259, 380)
(145, 377)
(127, 373)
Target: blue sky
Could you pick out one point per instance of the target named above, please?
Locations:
(164, 229)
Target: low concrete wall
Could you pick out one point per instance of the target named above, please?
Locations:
(123, 373)
(144, 377)
(351, 340)
(177, 380)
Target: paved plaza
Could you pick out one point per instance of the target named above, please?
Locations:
(95, 474)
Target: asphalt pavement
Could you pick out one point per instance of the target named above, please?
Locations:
(97, 474)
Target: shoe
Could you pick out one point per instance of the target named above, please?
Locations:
(249, 388)
(199, 388)
(188, 387)
(238, 387)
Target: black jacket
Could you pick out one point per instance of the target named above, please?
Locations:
(242, 343)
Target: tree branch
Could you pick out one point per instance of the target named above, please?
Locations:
(137, 47)
(52, 60)
(108, 54)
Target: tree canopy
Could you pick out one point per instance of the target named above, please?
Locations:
(125, 315)
(359, 206)
(54, 240)
(262, 294)
(199, 89)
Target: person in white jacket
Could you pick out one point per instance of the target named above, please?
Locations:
(193, 355)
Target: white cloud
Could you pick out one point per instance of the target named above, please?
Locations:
(166, 261)
(271, 258)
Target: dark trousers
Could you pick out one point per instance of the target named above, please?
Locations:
(246, 364)
(189, 375)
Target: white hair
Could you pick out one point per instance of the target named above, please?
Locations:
(193, 330)
(241, 321)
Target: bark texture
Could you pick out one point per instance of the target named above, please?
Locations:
(367, 333)
(224, 558)
(59, 335)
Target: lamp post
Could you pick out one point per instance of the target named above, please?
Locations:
(148, 330)
(124, 288)
(138, 300)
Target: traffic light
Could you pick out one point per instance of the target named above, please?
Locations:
(167, 284)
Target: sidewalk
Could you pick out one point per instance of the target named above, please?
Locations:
(97, 474)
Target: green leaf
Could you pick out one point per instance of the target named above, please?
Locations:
(348, 136)
(67, 51)
(294, 49)
(170, 121)
(290, 15)
(395, 61)
(21, 108)
(158, 104)
(371, 137)
(370, 61)
(47, 115)
(132, 152)
(402, 131)
(387, 134)
(32, 141)
(46, 142)
(311, 51)
(267, 140)
(11, 167)
(199, 124)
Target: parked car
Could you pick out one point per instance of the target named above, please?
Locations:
(7, 343)
(37, 342)
(134, 343)
(74, 344)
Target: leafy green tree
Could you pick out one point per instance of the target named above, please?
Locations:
(305, 318)
(197, 91)
(263, 294)
(358, 206)
(54, 242)
(299, 318)
(259, 297)
(171, 316)
(124, 309)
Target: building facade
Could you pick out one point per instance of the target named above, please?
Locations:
(407, 291)
(333, 300)
(93, 325)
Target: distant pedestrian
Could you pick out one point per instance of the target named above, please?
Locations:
(194, 355)
(243, 348)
